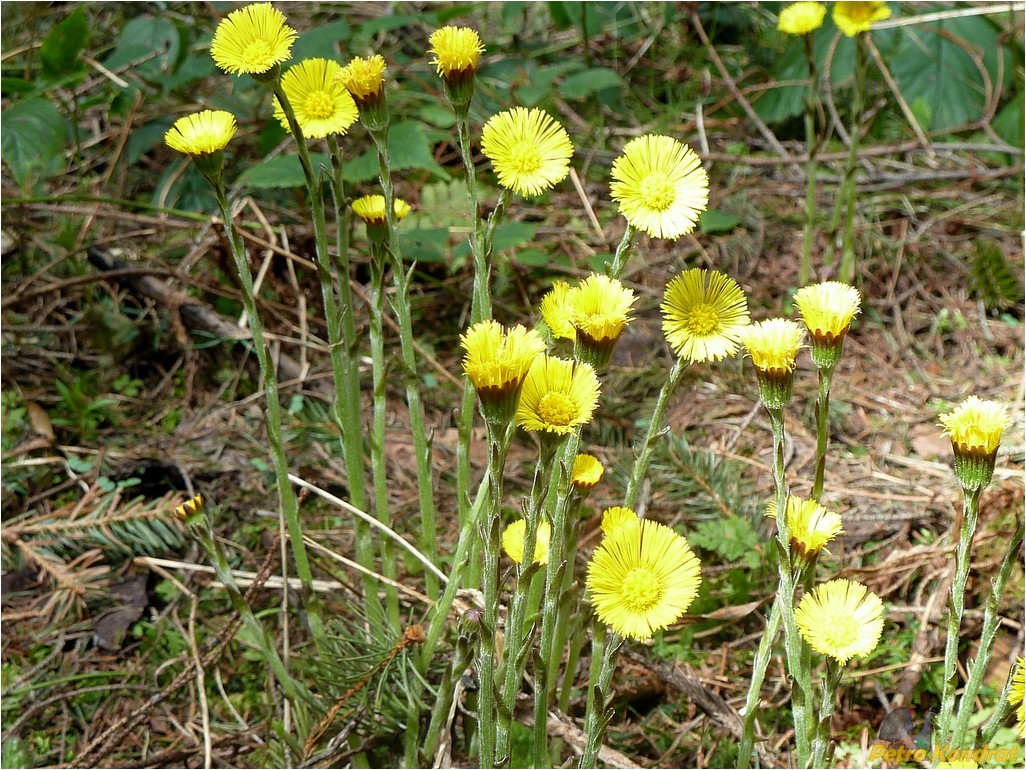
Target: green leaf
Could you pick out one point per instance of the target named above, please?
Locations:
(584, 84)
(409, 148)
(281, 171)
(533, 258)
(150, 44)
(32, 136)
(932, 64)
(1009, 123)
(714, 221)
(509, 235)
(61, 49)
(321, 42)
(732, 538)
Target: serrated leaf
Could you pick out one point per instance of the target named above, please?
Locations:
(150, 44)
(714, 221)
(279, 172)
(61, 49)
(583, 84)
(321, 42)
(32, 134)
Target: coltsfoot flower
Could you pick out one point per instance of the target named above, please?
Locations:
(616, 517)
(801, 18)
(600, 308)
(810, 526)
(364, 79)
(1016, 695)
(514, 536)
(371, 209)
(854, 17)
(841, 619)
(202, 133)
(558, 396)
(555, 311)
(773, 347)
(587, 472)
(529, 151)
(660, 186)
(827, 310)
(322, 104)
(252, 40)
(497, 361)
(704, 312)
(642, 578)
(456, 50)
(975, 427)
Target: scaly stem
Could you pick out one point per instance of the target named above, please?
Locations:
(822, 430)
(811, 144)
(956, 607)
(759, 666)
(846, 272)
(487, 657)
(596, 718)
(272, 416)
(991, 617)
(655, 428)
(378, 459)
(515, 656)
(440, 712)
(401, 306)
(623, 252)
(822, 748)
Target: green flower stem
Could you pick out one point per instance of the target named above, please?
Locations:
(623, 252)
(811, 145)
(822, 430)
(481, 299)
(487, 658)
(822, 748)
(295, 691)
(577, 641)
(998, 717)
(517, 637)
(956, 607)
(759, 666)
(801, 694)
(655, 428)
(401, 306)
(272, 415)
(596, 718)
(846, 272)
(446, 691)
(377, 444)
(991, 617)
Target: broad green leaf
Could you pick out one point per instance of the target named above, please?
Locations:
(281, 171)
(321, 42)
(409, 148)
(429, 244)
(932, 64)
(584, 84)
(533, 258)
(61, 49)
(511, 234)
(1009, 124)
(144, 138)
(715, 221)
(150, 44)
(32, 134)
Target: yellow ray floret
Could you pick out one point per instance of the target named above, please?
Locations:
(809, 524)
(371, 209)
(587, 471)
(322, 104)
(202, 133)
(252, 40)
(600, 307)
(704, 312)
(773, 344)
(555, 311)
(976, 425)
(455, 49)
(841, 619)
(529, 151)
(828, 308)
(853, 18)
(514, 536)
(364, 78)
(801, 18)
(616, 517)
(558, 396)
(498, 360)
(642, 578)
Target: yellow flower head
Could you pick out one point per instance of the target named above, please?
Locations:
(587, 472)
(958, 764)
(704, 312)
(773, 344)
(827, 308)
(660, 186)
(371, 209)
(558, 396)
(842, 619)
(809, 524)
(555, 311)
(515, 534)
(496, 360)
(529, 151)
(1016, 695)
(456, 50)
(853, 18)
(364, 78)
(642, 578)
(322, 104)
(252, 40)
(600, 308)
(201, 133)
(976, 425)
(613, 519)
(801, 18)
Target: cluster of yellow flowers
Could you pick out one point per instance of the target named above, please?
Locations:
(852, 18)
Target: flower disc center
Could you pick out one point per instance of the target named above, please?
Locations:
(703, 320)
(320, 105)
(640, 589)
(525, 158)
(257, 54)
(657, 192)
(556, 408)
